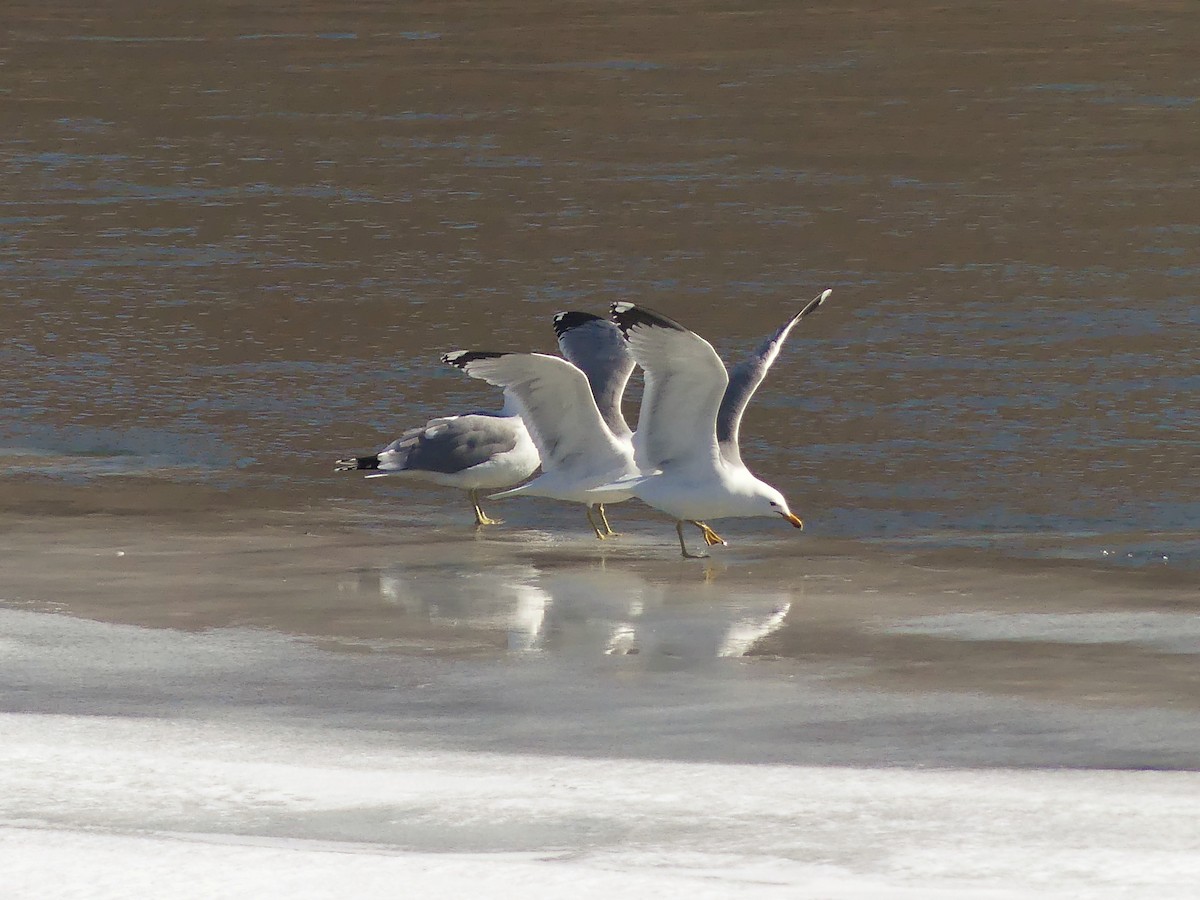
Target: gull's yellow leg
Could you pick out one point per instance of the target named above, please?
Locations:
(710, 537)
(608, 529)
(480, 516)
(599, 534)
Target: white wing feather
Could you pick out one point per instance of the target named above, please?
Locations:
(685, 381)
(555, 401)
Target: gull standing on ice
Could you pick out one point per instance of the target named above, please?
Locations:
(686, 443)
(572, 410)
(474, 451)
(597, 347)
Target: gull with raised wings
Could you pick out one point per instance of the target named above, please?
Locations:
(572, 410)
(686, 443)
(488, 451)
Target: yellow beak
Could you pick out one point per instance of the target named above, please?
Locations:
(795, 520)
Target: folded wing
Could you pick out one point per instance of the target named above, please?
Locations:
(444, 446)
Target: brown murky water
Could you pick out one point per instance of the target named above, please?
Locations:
(234, 241)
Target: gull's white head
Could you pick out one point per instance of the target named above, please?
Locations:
(769, 502)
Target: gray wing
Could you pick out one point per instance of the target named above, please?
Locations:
(595, 346)
(744, 379)
(450, 445)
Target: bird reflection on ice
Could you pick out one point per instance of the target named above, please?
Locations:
(595, 610)
(505, 597)
(525, 628)
(743, 634)
(584, 612)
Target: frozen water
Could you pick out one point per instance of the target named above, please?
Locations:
(1170, 632)
(174, 798)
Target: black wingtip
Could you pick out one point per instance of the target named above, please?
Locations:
(463, 358)
(565, 321)
(814, 303)
(627, 315)
(354, 463)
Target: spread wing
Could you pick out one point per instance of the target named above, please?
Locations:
(685, 381)
(554, 400)
(596, 347)
(744, 379)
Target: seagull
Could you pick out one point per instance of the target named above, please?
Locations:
(489, 451)
(686, 443)
(596, 346)
(474, 451)
(572, 408)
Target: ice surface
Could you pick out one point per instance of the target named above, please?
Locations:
(1171, 632)
(100, 807)
(169, 797)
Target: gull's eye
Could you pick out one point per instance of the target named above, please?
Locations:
(774, 505)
